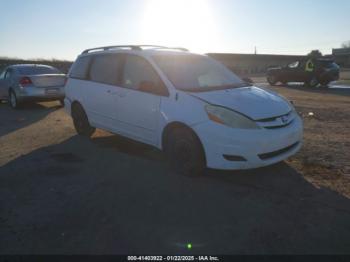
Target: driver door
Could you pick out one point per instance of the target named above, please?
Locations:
(294, 72)
(138, 109)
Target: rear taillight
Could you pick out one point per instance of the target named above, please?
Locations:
(25, 81)
(65, 81)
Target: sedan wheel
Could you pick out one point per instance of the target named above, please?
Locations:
(13, 100)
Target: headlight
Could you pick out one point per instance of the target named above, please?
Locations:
(229, 118)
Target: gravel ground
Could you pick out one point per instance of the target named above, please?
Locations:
(63, 194)
(325, 157)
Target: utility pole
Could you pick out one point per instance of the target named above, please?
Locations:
(255, 52)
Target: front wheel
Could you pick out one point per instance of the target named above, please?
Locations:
(325, 83)
(185, 152)
(81, 122)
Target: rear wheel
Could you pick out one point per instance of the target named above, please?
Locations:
(313, 82)
(272, 80)
(13, 100)
(81, 122)
(325, 83)
(185, 152)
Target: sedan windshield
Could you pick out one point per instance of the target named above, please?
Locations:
(197, 73)
(38, 70)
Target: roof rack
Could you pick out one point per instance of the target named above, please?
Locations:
(132, 47)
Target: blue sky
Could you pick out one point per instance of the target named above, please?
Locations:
(62, 29)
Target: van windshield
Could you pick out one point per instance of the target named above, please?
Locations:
(196, 73)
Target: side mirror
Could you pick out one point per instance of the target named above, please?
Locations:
(147, 86)
(248, 80)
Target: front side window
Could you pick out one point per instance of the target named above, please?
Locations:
(105, 69)
(197, 73)
(80, 68)
(139, 74)
(137, 71)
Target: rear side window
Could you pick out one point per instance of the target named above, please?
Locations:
(105, 69)
(80, 68)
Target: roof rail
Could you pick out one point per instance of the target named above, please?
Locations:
(105, 48)
(132, 47)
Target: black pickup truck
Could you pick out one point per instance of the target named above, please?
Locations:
(325, 71)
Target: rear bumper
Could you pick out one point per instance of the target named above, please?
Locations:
(40, 94)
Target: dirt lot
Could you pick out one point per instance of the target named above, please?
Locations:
(63, 194)
(325, 157)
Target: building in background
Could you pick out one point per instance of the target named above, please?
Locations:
(341, 56)
(254, 64)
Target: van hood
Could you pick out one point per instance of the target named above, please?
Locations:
(254, 102)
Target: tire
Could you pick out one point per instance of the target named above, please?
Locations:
(272, 80)
(13, 100)
(185, 152)
(313, 82)
(61, 102)
(81, 122)
(325, 84)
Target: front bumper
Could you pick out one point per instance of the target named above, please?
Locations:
(230, 149)
(40, 93)
(330, 76)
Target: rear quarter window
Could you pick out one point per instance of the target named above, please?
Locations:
(80, 68)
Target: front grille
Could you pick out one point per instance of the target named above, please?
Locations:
(276, 127)
(276, 122)
(278, 152)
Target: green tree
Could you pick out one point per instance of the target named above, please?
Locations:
(315, 53)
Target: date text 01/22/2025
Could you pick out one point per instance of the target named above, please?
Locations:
(173, 258)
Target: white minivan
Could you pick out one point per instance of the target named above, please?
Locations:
(188, 105)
